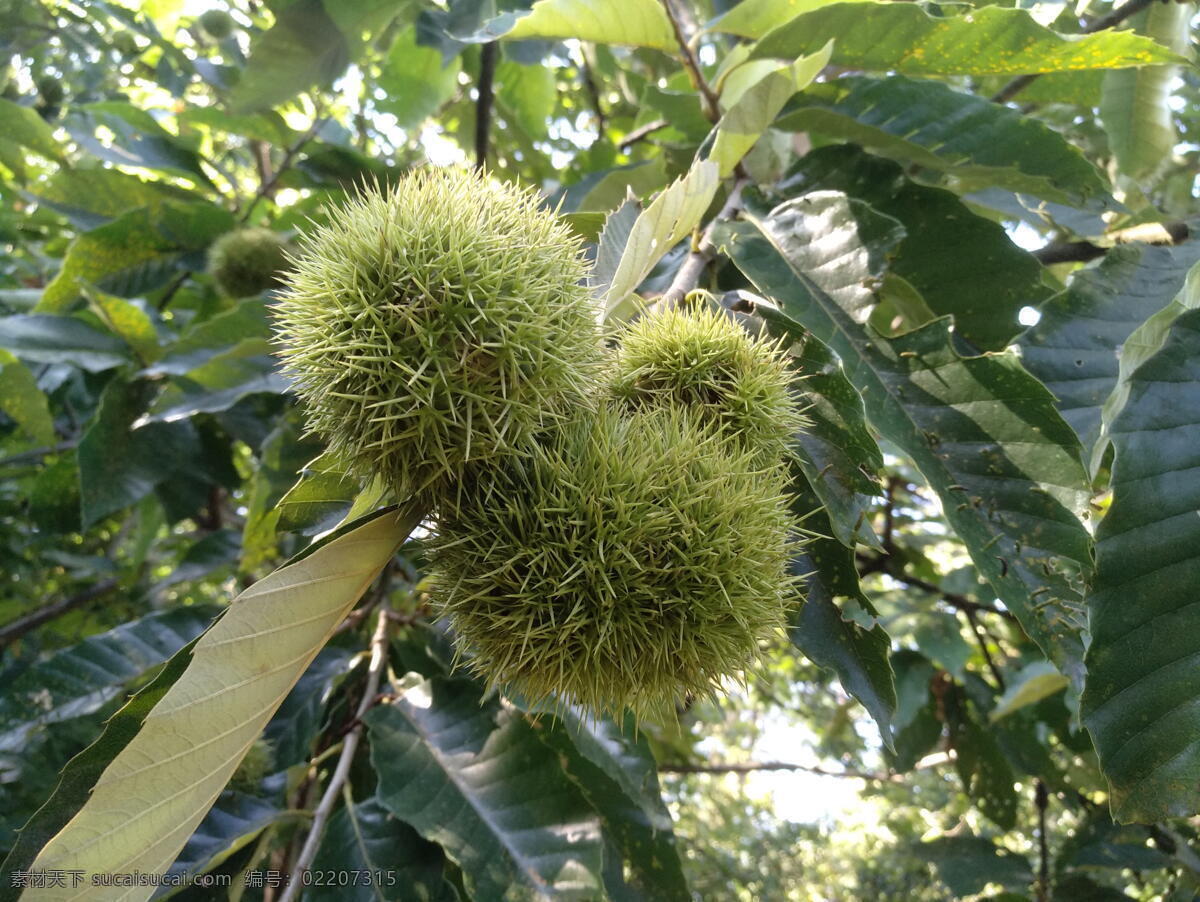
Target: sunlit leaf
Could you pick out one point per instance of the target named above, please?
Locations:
(160, 785)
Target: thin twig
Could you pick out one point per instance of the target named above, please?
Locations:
(1042, 800)
(37, 453)
(642, 132)
(1160, 233)
(712, 109)
(342, 771)
(755, 766)
(1118, 15)
(289, 155)
(483, 103)
(593, 92)
(688, 276)
(882, 564)
(981, 639)
(14, 630)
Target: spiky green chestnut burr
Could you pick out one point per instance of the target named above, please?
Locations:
(631, 559)
(247, 261)
(438, 323)
(702, 359)
(217, 23)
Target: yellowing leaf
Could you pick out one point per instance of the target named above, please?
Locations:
(150, 798)
(670, 216)
(902, 37)
(23, 401)
(641, 23)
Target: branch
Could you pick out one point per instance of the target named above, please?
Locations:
(981, 639)
(712, 109)
(483, 103)
(754, 766)
(1118, 15)
(268, 186)
(37, 453)
(881, 564)
(593, 91)
(15, 629)
(1161, 233)
(688, 276)
(342, 771)
(642, 132)
(1041, 799)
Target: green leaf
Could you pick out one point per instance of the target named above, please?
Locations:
(92, 197)
(126, 320)
(82, 772)
(232, 823)
(1140, 700)
(1142, 344)
(218, 384)
(23, 401)
(837, 454)
(367, 838)
(757, 105)
(61, 339)
(983, 432)
(1135, 103)
(137, 139)
(528, 94)
(1037, 681)
(135, 253)
(967, 864)
(473, 777)
(640, 23)
(821, 628)
(754, 18)
(79, 680)
(669, 217)
(932, 125)
(311, 43)
(416, 80)
(24, 127)
(119, 465)
(159, 786)
(989, 40)
(960, 263)
(1075, 348)
(298, 720)
(615, 770)
(322, 495)
(201, 342)
(610, 247)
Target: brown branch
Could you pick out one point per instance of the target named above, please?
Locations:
(267, 188)
(1160, 233)
(981, 639)
(593, 92)
(755, 766)
(1042, 800)
(15, 629)
(688, 276)
(642, 132)
(483, 103)
(882, 564)
(1118, 15)
(712, 109)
